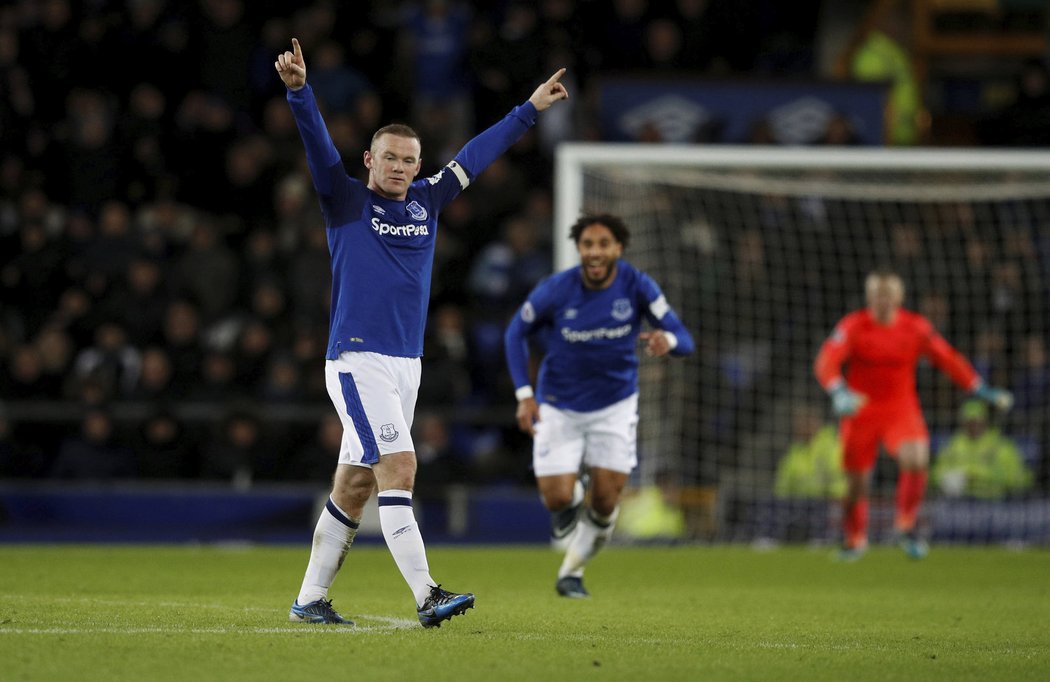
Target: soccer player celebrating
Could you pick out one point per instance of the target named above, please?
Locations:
(381, 236)
(585, 408)
(878, 404)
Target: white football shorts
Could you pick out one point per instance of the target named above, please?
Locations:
(605, 438)
(375, 396)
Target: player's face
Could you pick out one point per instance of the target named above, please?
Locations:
(393, 163)
(885, 295)
(599, 251)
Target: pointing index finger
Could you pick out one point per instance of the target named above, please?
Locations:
(298, 51)
(557, 75)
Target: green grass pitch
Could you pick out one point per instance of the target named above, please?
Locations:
(678, 613)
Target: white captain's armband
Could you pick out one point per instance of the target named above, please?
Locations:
(460, 174)
(659, 308)
(523, 393)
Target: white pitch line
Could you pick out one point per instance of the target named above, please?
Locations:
(386, 625)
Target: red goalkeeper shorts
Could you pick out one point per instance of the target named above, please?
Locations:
(874, 425)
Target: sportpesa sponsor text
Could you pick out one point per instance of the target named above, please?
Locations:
(409, 230)
(585, 335)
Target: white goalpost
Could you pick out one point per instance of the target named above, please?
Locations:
(762, 250)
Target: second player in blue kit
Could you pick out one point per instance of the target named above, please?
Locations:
(583, 412)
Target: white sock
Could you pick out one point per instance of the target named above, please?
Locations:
(591, 534)
(404, 541)
(333, 535)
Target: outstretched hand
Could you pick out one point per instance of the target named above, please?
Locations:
(549, 92)
(1000, 397)
(291, 67)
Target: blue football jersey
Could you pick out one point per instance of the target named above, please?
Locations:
(383, 250)
(590, 337)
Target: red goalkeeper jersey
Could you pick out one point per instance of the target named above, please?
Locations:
(882, 358)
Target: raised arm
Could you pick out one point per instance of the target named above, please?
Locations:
(326, 166)
(476, 155)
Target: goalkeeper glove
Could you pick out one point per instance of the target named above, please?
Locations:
(999, 397)
(844, 400)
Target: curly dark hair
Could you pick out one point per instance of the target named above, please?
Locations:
(614, 223)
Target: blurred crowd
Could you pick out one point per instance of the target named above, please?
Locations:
(163, 271)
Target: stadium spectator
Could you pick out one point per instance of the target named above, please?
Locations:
(208, 272)
(218, 379)
(979, 460)
(508, 268)
(501, 276)
(238, 452)
(653, 513)
(252, 353)
(23, 379)
(439, 463)
(878, 405)
(181, 337)
(111, 361)
(809, 480)
(435, 40)
(812, 466)
(95, 453)
(381, 278)
(584, 411)
(505, 55)
(313, 460)
(309, 278)
(881, 57)
(154, 381)
(56, 358)
(140, 303)
(1031, 384)
(1023, 122)
(338, 85)
(32, 272)
(145, 141)
(164, 447)
(283, 382)
(262, 261)
(448, 359)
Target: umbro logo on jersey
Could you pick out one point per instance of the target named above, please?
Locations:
(379, 210)
(416, 211)
(570, 314)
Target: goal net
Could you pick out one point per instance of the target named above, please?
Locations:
(761, 252)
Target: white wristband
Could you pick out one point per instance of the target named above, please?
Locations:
(523, 393)
(672, 340)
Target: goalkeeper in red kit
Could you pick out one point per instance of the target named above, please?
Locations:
(878, 404)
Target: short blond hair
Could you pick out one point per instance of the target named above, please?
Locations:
(885, 276)
(397, 130)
